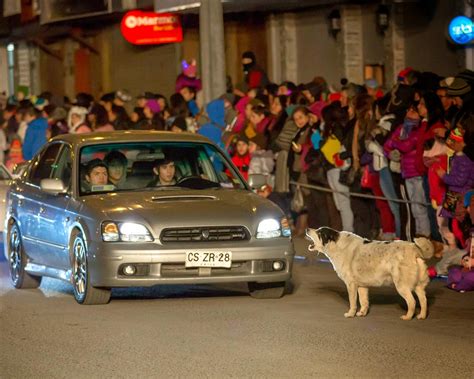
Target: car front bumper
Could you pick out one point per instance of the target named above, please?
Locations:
(158, 264)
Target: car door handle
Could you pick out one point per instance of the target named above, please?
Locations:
(20, 203)
(42, 210)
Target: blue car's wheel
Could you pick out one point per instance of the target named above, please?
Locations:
(17, 261)
(84, 293)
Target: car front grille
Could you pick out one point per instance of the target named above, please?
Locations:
(205, 234)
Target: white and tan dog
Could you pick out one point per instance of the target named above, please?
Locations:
(361, 264)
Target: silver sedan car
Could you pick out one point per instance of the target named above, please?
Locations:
(135, 209)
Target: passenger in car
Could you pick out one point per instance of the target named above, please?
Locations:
(164, 170)
(117, 168)
(96, 174)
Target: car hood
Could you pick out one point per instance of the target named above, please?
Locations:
(163, 209)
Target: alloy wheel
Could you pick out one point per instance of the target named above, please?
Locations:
(15, 255)
(79, 267)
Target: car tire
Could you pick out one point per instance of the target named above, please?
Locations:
(17, 260)
(84, 292)
(273, 290)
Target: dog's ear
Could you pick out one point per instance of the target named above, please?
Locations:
(327, 235)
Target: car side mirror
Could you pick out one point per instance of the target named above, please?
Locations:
(53, 186)
(257, 181)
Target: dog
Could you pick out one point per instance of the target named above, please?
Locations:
(361, 263)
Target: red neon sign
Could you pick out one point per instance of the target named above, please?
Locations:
(150, 28)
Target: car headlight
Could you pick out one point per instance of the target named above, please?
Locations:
(268, 228)
(125, 232)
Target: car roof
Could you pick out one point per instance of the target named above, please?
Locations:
(129, 136)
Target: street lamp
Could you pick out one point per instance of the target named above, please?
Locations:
(382, 17)
(334, 22)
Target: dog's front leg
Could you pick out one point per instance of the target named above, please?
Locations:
(352, 291)
(363, 300)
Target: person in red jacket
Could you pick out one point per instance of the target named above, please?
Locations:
(241, 158)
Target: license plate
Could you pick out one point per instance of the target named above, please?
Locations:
(208, 259)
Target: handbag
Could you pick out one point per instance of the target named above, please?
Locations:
(316, 172)
(297, 202)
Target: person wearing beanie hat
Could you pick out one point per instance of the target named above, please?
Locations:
(151, 107)
(188, 77)
(254, 75)
(179, 125)
(459, 178)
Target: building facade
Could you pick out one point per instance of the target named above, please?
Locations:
(333, 39)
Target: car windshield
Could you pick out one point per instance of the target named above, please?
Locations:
(141, 166)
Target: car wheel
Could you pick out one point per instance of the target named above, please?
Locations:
(84, 293)
(273, 290)
(17, 261)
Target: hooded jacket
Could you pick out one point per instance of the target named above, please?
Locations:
(213, 129)
(406, 145)
(35, 137)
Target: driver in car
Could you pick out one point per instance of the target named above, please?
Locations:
(164, 170)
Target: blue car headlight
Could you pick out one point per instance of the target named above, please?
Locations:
(125, 232)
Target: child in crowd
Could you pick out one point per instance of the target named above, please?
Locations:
(241, 157)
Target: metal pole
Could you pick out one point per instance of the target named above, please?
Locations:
(211, 33)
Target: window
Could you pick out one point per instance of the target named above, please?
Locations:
(62, 169)
(143, 166)
(42, 167)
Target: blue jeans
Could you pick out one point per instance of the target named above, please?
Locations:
(416, 192)
(388, 189)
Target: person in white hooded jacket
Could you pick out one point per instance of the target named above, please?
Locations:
(76, 120)
(381, 165)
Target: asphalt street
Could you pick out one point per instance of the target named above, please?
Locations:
(220, 332)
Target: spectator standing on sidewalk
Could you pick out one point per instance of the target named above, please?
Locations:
(35, 136)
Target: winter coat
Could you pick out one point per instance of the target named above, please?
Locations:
(463, 280)
(214, 128)
(35, 137)
(461, 176)
(425, 134)
(242, 162)
(186, 81)
(283, 146)
(406, 145)
(434, 159)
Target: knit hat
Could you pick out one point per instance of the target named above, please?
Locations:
(180, 122)
(456, 135)
(260, 140)
(189, 69)
(153, 105)
(123, 95)
(404, 73)
(459, 87)
(446, 82)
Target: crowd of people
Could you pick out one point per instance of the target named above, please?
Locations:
(411, 148)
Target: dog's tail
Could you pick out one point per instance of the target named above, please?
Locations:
(425, 247)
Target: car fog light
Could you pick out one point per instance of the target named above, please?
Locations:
(277, 265)
(129, 270)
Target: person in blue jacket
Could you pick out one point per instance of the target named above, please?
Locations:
(35, 136)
